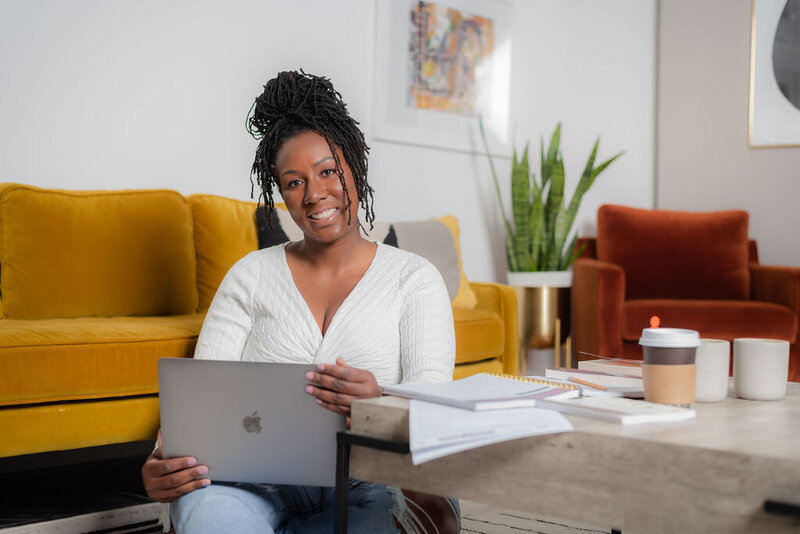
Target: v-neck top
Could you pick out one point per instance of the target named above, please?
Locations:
(397, 322)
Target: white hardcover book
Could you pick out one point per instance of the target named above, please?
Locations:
(620, 410)
(485, 391)
(597, 377)
(616, 366)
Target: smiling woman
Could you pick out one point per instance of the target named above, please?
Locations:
(366, 314)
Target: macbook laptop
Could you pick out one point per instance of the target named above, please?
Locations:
(247, 421)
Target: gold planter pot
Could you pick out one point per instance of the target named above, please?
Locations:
(543, 300)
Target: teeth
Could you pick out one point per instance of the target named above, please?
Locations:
(323, 214)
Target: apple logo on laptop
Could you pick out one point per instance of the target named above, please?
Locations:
(252, 423)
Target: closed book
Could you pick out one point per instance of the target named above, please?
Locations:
(615, 366)
(485, 391)
(619, 410)
(596, 377)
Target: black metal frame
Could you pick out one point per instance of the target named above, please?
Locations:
(344, 440)
(782, 508)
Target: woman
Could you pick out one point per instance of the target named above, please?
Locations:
(367, 314)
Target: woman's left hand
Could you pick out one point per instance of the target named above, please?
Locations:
(337, 386)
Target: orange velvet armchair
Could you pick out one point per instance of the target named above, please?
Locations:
(693, 270)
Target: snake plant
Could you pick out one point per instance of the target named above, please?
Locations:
(541, 222)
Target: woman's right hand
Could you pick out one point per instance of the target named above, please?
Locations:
(167, 479)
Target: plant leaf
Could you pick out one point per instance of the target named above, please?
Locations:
(554, 204)
(571, 254)
(536, 226)
(509, 232)
(586, 181)
(521, 206)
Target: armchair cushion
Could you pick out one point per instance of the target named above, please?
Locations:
(780, 285)
(479, 335)
(717, 319)
(668, 254)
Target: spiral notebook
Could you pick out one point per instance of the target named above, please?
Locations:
(486, 391)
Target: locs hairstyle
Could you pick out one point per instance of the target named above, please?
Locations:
(296, 102)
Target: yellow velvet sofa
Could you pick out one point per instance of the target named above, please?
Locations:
(96, 286)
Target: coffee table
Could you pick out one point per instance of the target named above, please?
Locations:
(711, 474)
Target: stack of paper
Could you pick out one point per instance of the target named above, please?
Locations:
(436, 430)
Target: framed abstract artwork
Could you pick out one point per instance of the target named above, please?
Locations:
(775, 74)
(440, 65)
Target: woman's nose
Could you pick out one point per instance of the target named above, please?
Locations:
(315, 191)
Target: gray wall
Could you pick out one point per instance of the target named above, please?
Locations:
(704, 162)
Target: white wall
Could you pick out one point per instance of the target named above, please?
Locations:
(704, 161)
(146, 93)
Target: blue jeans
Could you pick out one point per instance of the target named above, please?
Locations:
(271, 508)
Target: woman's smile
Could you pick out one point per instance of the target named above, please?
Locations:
(323, 215)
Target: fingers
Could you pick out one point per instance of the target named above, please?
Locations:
(342, 371)
(326, 396)
(337, 386)
(157, 451)
(336, 408)
(170, 494)
(341, 378)
(166, 480)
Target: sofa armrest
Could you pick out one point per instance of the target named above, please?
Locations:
(779, 285)
(502, 300)
(598, 292)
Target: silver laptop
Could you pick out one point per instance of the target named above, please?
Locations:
(247, 421)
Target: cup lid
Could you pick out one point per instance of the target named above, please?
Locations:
(669, 338)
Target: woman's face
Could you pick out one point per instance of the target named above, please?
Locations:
(312, 190)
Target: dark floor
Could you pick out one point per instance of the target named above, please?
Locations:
(54, 492)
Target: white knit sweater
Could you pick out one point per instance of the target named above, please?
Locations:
(397, 322)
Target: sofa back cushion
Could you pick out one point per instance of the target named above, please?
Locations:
(671, 254)
(95, 253)
(224, 232)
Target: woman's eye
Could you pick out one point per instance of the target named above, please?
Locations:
(294, 183)
(328, 172)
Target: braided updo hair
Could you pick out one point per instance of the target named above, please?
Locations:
(293, 103)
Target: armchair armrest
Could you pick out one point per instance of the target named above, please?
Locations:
(502, 300)
(780, 285)
(598, 292)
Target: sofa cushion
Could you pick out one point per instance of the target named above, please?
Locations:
(95, 253)
(436, 240)
(224, 232)
(51, 360)
(74, 425)
(479, 335)
(718, 319)
(670, 254)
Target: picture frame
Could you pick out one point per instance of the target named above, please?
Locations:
(774, 75)
(400, 89)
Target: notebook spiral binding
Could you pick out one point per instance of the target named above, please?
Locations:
(534, 380)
